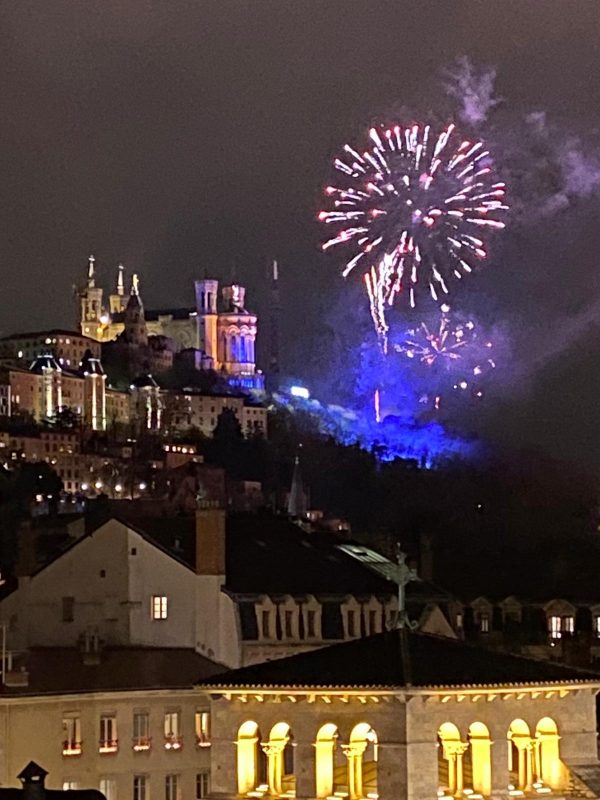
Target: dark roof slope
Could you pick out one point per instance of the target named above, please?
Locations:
(396, 659)
(58, 670)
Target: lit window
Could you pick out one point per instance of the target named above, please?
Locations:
(173, 738)
(172, 787)
(459, 621)
(351, 623)
(108, 734)
(71, 736)
(554, 627)
(69, 785)
(159, 606)
(202, 785)
(484, 622)
(568, 624)
(108, 787)
(140, 787)
(202, 723)
(141, 731)
(597, 626)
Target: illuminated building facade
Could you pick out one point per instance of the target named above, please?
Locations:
(403, 715)
(219, 326)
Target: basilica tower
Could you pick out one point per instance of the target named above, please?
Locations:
(91, 314)
(207, 291)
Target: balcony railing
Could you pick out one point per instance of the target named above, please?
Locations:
(142, 743)
(108, 745)
(202, 740)
(72, 748)
(173, 742)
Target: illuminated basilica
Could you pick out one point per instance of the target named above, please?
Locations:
(219, 328)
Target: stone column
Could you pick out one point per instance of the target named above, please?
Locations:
(274, 753)
(500, 776)
(354, 753)
(304, 770)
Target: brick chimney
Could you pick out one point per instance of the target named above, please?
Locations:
(210, 541)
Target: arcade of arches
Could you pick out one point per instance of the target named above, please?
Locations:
(533, 764)
(348, 769)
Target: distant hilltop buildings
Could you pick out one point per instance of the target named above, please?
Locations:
(219, 327)
(170, 369)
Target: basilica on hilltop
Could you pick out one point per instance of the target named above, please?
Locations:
(218, 332)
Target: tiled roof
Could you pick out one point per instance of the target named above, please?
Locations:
(396, 659)
(60, 670)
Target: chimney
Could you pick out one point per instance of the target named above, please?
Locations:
(26, 550)
(210, 541)
(32, 778)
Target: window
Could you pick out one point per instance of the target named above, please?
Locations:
(141, 731)
(372, 622)
(459, 621)
(597, 626)
(173, 739)
(351, 623)
(266, 624)
(68, 609)
(108, 787)
(554, 627)
(69, 784)
(108, 734)
(172, 787)
(484, 622)
(202, 785)
(159, 606)
(71, 736)
(202, 722)
(568, 625)
(288, 618)
(310, 624)
(140, 787)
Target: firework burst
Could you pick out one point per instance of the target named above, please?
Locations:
(449, 353)
(412, 210)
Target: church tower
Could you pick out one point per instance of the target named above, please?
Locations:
(207, 291)
(135, 332)
(117, 300)
(91, 315)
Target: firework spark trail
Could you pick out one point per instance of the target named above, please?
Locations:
(413, 208)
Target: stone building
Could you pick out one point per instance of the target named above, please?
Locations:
(403, 715)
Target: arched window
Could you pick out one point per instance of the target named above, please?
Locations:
(480, 751)
(520, 764)
(280, 760)
(361, 753)
(548, 767)
(250, 758)
(450, 759)
(243, 356)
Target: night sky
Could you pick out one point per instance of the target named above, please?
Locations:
(184, 137)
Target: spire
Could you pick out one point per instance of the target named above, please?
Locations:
(91, 275)
(120, 281)
(275, 270)
(297, 503)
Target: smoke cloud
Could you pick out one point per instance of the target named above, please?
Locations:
(473, 87)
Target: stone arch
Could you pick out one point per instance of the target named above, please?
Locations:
(481, 763)
(249, 758)
(280, 759)
(548, 766)
(361, 752)
(450, 759)
(520, 764)
(325, 767)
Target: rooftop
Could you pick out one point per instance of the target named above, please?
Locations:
(396, 659)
